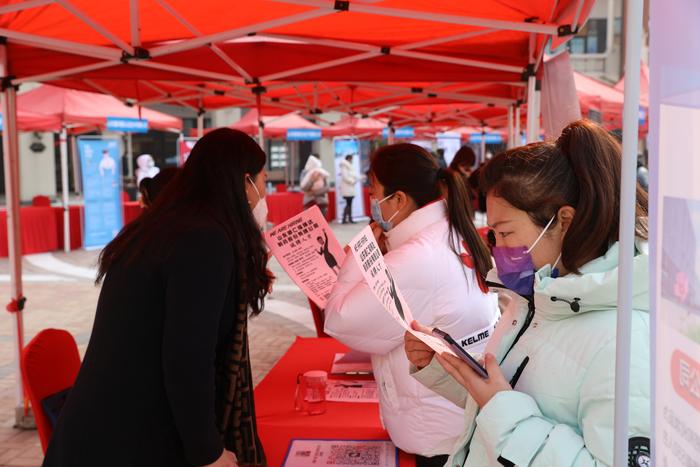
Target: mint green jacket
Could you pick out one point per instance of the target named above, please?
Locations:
(560, 413)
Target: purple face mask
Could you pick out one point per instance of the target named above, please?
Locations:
(515, 267)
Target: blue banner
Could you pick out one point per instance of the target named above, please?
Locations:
(127, 125)
(348, 147)
(303, 134)
(491, 138)
(405, 132)
(100, 162)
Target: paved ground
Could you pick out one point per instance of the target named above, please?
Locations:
(61, 295)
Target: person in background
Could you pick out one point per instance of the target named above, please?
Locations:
(314, 184)
(166, 379)
(349, 178)
(146, 168)
(549, 399)
(438, 262)
(642, 174)
(440, 158)
(463, 163)
(150, 188)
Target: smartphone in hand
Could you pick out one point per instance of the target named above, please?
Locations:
(461, 353)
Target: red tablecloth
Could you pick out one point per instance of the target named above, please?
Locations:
(75, 214)
(279, 423)
(39, 230)
(132, 210)
(365, 199)
(330, 215)
(282, 206)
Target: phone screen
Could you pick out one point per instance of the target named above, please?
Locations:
(461, 353)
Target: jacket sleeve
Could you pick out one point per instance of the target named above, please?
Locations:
(197, 279)
(356, 317)
(513, 427)
(435, 378)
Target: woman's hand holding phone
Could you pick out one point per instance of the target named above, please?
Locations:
(481, 389)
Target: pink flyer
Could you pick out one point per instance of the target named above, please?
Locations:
(307, 249)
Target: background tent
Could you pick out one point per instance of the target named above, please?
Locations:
(80, 108)
(275, 127)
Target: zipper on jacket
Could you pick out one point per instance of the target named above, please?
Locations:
(518, 372)
(528, 320)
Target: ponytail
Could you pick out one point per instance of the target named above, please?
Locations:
(581, 169)
(460, 220)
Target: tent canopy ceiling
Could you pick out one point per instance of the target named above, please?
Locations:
(110, 48)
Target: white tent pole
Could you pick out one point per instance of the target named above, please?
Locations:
(510, 127)
(23, 6)
(77, 183)
(129, 156)
(200, 124)
(531, 109)
(482, 145)
(358, 7)
(14, 238)
(630, 127)
(261, 125)
(64, 188)
(538, 108)
(517, 138)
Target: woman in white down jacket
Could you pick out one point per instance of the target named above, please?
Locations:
(439, 263)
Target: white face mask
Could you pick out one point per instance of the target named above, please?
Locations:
(260, 209)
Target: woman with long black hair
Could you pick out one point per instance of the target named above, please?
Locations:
(166, 380)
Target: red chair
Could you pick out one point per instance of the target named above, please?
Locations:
(319, 318)
(281, 188)
(41, 201)
(125, 197)
(50, 364)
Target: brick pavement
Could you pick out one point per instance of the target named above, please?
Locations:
(70, 304)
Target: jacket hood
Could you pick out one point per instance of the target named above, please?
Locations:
(312, 163)
(595, 288)
(145, 161)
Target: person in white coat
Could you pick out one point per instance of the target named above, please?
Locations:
(314, 184)
(146, 168)
(348, 181)
(438, 262)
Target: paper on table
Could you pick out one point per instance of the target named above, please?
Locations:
(366, 252)
(308, 453)
(307, 249)
(344, 365)
(342, 390)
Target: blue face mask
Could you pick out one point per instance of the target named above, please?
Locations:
(377, 217)
(515, 267)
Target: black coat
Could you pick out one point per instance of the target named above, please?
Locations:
(147, 392)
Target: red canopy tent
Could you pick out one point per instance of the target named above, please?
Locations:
(30, 121)
(79, 108)
(396, 40)
(353, 126)
(643, 85)
(274, 127)
(607, 100)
